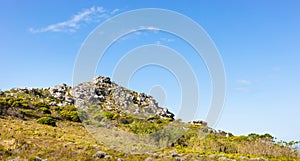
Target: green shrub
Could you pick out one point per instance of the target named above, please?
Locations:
(125, 120)
(68, 108)
(143, 127)
(44, 110)
(70, 115)
(40, 104)
(47, 121)
(110, 115)
(17, 102)
(83, 115)
(28, 113)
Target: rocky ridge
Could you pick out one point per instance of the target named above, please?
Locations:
(102, 91)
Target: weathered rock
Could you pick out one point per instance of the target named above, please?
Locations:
(174, 154)
(164, 112)
(102, 91)
(59, 91)
(148, 159)
(178, 159)
(99, 155)
(212, 156)
(108, 157)
(39, 159)
(223, 158)
(199, 122)
(22, 90)
(69, 100)
(52, 103)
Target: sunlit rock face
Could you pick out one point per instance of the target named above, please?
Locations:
(101, 91)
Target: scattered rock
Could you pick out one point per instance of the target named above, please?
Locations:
(69, 100)
(174, 154)
(161, 155)
(155, 155)
(148, 159)
(164, 112)
(52, 103)
(243, 158)
(212, 156)
(99, 155)
(119, 159)
(39, 159)
(62, 92)
(199, 122)
(223, 158)
(108, 157)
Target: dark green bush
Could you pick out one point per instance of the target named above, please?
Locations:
(70, 115)
(17, 102)
(40, 104)
(44, 110)
(110, 115)
(68, 108)
(47, 121)
(143, 127)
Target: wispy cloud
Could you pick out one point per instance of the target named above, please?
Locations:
(167, 39)
(244, 82)
(150, 28)
(245, 85)
(114, 11)
(72, 25)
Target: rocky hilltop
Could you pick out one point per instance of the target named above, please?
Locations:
(102, 91)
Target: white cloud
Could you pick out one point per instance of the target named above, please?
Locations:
(151, 28)
(114, 11)
(245, 85)
(72, 25)
(244, 82)
(167, 39)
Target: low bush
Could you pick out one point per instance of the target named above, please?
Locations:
(47, 121)
(70, 115)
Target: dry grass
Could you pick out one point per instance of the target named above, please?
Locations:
(27, 139)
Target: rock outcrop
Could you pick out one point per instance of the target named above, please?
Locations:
(101, 91)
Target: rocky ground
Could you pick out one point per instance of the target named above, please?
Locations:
(91, 120)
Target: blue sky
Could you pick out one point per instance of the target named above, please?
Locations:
(259, 43)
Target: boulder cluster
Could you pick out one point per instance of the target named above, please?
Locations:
(101, 91)
(62, 92)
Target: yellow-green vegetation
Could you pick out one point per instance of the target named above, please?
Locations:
(31, 126)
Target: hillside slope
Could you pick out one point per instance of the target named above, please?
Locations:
(102, 120)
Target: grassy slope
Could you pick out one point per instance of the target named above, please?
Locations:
(24, 135)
